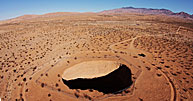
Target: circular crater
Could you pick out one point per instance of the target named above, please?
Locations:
(103, 76)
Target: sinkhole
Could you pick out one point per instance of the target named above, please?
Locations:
(112, 77)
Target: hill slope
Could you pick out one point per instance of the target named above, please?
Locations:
(146, 11)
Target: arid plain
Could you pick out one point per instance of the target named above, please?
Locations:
(37, 53)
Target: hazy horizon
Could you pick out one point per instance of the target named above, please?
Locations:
(12, 8)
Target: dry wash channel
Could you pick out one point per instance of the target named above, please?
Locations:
(104, 76)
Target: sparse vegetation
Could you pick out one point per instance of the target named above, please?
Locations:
(157, 48)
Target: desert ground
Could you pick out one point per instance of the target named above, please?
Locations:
(37, 54)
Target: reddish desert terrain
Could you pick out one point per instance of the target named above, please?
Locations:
(92, 56)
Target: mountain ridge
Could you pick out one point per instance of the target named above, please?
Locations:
(122, 10)
(147, 11)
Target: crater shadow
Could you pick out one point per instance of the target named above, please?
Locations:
(114, 82)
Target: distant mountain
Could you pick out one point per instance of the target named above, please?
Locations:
(146, 11)
(184, 14)
(113, 11)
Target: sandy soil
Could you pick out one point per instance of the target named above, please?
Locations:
(36, 53)
(90, 69)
